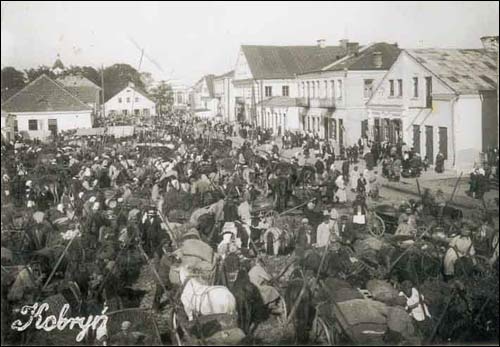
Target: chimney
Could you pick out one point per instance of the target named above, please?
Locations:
(377, 59)
(490, 43)
(321, 43)
(352, 48)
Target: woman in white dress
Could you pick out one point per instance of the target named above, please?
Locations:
(341, 193)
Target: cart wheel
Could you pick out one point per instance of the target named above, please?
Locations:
(376, 226)
(322, 334)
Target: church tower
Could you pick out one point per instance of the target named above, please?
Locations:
(58, 66)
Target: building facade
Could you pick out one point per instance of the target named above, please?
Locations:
(203, 101)
(439, 100)
(223, 91)
(130, 101)
(333, 99)
(265, 81)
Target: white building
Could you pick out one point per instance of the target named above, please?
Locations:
(439, 100)
(223, 91)
(181, 97)
(130, 101)
(44, 107)
(265, 81)
(333, 98)
(203, 101)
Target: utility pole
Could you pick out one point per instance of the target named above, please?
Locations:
(133, 89)
(103, 115)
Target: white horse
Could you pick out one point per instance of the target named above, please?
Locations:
(204, 300)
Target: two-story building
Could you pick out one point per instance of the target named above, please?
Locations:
(265, 85)
(439, 100)
(130, 101)
(203, 101)
(332, 99)
(223, 91)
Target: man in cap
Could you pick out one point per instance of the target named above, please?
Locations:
(125, 337)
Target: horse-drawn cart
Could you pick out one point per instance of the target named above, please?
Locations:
(349, 317)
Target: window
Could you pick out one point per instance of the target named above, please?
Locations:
(332, 89)
(16, 128)
(368, 88)
(32, 125)
(314, 89)
(137, 111)
(339, 87)
(303, 89)
(415, 87)
(128, 100)
(53, 126)
(136, 99)
(391, 87)
(319, 89)
(326, 89)
(308, 90)
(124, 112)
(285, 90)
(119, 100)
(400, 87)
(269, 91)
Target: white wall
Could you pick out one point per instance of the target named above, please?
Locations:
(65, 121)
(468, 122)
(142, 103)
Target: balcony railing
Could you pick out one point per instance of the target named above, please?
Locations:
(316, 102)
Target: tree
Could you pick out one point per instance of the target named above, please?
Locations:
(12, 81)
(163, 95)
(147, 79)
(34, 73)
(86, 71)
(117, 76)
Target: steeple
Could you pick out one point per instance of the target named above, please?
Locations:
(58, 66)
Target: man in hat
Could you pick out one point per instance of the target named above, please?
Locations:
(323, 233)
(459, 246)
(228, 243)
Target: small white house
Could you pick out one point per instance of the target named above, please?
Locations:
(44, 107)
(130, 101)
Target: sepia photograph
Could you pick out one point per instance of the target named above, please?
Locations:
(249, 173)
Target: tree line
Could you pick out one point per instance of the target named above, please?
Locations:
(116, 77)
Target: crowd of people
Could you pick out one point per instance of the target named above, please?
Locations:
(128, 201)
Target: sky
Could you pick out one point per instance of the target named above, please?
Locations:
(182, 41)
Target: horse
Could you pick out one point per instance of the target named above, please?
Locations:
(304, 312)
(200, 299)
(249, 303)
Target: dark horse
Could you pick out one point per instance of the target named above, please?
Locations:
(304, 312)
(249, 304)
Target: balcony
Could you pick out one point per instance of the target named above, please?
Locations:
(316, 102)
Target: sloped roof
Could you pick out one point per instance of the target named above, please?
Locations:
(136, 89)
(81, 87)
(210, 84)
(277, 62)
(363, 60)
(463, 70)
(227, 74)
(44, 95)
(279, 101)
